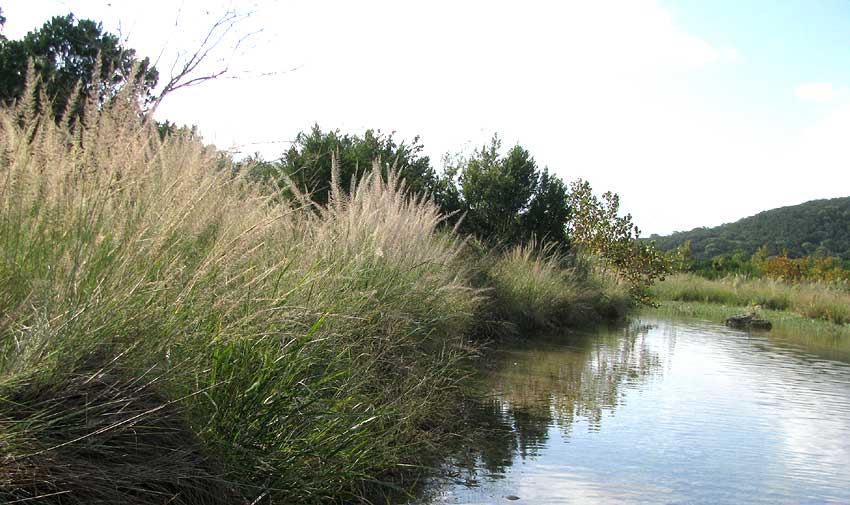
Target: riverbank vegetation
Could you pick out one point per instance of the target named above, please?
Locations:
(177, 326)
(535, 290)
(171, 332)
(829, 302)
(818, 337)
(813, 287)
(502, 198)
(176, 330)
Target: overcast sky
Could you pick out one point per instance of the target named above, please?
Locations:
(697, 113)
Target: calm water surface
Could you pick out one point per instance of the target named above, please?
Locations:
(662, 411)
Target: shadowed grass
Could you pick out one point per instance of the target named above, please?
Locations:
(534, 289)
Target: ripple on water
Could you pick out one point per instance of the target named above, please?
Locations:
(664, 411)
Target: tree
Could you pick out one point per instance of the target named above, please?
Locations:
(497, 190)
(508, 200)
(548, 211)
(682, 258)
(597, 227)
(502, 199)
(447, 194)
(308, 162)
(187, 69)
(65, 53)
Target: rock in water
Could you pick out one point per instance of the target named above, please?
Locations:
(747, 322)
(761, 324)
(511, 497)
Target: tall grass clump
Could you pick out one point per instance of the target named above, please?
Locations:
(536, 287)
(815, 300)
(171, 333)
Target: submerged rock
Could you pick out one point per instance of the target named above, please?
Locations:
(747, 322)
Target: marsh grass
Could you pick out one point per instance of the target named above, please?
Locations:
(173, 333)
(538, 288)
(814, 300)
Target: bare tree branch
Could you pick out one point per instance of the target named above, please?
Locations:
(248, 74)
(183, 73)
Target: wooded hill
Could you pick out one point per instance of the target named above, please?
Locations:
(815, 227)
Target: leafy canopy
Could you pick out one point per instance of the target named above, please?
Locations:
(598, 227)
(508, 199)
(66, 53)
(307, 164)
(502, 199)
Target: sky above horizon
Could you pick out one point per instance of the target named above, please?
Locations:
(696, 113)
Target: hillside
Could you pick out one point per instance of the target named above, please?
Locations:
(818, 226)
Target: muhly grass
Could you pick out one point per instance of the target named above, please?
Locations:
(815, 300)
(171, 333)
(533, 288)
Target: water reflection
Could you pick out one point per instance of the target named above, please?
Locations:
(661, 411)
(536, 387)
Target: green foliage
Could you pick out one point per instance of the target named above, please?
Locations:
(597, 227)
(308, 163)
(497, 190)
(502, 199)
(548, 211)
(682, 258)
(810, 268)
(171, 333)
(760, 264)
(72, 58)
(815, 228)
(506, 199)
(204, 342)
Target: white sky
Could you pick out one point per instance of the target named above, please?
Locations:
(619, 93)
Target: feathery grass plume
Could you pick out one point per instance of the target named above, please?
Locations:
(171, 333)
(534, 288)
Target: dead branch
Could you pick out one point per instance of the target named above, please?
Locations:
(183, 71)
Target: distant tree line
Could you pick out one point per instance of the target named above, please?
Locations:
(760, 264)
(816, 228)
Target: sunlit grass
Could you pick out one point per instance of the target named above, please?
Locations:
(810, 299)
(173, 333)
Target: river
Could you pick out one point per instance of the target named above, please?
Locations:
(658, 411)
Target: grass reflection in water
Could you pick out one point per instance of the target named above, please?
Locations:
(534, 386)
